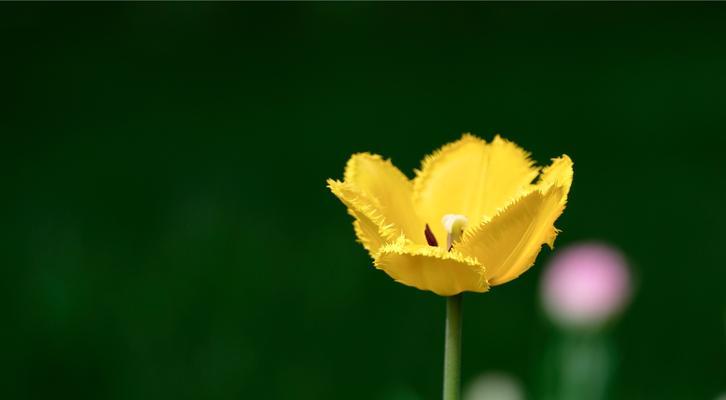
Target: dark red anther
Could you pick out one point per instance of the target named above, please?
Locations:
(430, 238)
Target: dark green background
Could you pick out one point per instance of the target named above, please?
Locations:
(167, 232)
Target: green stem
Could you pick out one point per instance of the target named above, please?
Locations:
(452, 349)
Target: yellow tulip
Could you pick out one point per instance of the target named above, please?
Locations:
(475, 215)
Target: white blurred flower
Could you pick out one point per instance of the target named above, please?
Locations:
(494, 386)
(586, 284)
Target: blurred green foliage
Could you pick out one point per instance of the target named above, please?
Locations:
(167, 232)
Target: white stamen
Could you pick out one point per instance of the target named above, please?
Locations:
(454, 225)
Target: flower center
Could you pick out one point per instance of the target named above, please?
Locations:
(454, 225)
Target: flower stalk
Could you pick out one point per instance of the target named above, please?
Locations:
(452, 348)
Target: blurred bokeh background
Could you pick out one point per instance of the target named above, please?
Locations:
(167, 232)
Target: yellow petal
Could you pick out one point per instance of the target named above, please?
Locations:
(472, 178)
(370, 226)
(508, 244)
(381, 180)
(558, 173)
(431, 268)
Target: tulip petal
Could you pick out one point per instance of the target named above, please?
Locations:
(472, 178)
(431, 268)
(558, 173)
(508, 244)
(370, 226)
(379, 179)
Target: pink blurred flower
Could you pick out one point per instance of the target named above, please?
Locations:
(585, 284)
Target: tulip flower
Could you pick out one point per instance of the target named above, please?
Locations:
(476, 215)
